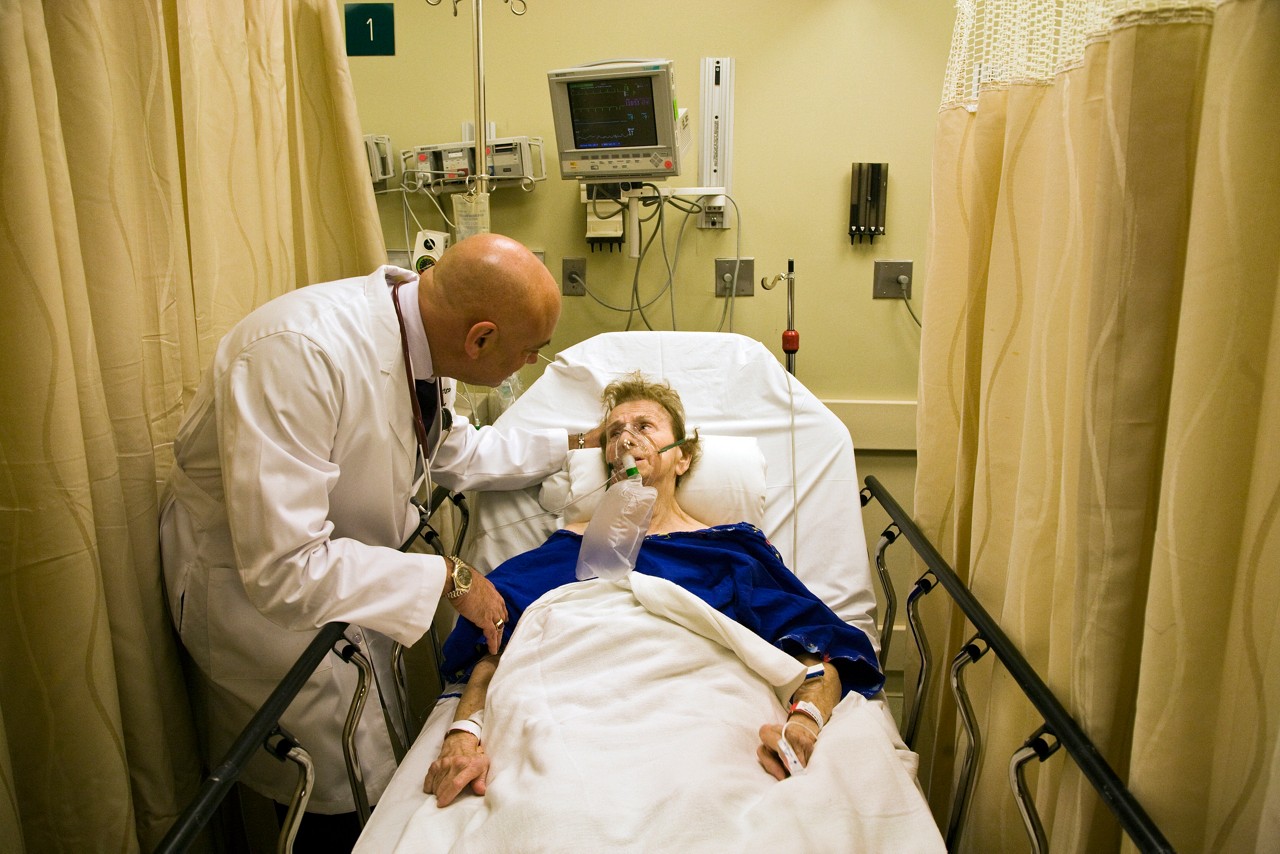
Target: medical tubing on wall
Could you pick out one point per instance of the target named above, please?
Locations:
(637, 304)
(727, 311)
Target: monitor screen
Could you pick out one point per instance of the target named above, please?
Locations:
(617, 120)
(613, 113)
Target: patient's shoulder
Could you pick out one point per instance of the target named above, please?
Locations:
(678, 525)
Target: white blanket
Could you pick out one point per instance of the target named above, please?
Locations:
(625, 717)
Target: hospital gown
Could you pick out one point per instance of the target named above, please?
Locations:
(733, 568)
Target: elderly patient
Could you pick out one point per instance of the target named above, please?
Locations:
(733, 568)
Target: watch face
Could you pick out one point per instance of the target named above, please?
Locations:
(461, 576)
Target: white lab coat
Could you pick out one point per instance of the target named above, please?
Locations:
(285, 508)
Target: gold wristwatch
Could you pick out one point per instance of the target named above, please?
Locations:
(462, 575)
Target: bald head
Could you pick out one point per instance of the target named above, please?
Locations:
(485, 270)
(488, 306)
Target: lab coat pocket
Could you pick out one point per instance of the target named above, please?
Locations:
(243, 644)
(177, 540)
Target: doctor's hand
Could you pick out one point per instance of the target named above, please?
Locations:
(462, 762)
(484, 606)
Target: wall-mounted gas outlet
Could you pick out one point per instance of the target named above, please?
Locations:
(746, 276)
(892, 280)
(573, 277)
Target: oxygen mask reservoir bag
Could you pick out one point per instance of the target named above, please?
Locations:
(613, 537)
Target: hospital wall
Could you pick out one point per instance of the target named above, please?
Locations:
(820, 84)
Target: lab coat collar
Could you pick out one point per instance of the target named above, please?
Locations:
(415, 332)
(386, 332)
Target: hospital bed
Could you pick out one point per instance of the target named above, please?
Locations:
(773, 455)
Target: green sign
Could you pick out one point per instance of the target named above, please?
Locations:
(371, 29)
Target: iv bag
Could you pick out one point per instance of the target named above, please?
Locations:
(617, 528)
(470, 214)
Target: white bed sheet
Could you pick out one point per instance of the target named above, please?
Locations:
(624, 717)
(732, 386)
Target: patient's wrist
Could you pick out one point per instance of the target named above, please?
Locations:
(467, 727)
(805, 709)
(459, 742)
(804, 722)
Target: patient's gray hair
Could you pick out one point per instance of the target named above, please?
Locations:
(636, 386)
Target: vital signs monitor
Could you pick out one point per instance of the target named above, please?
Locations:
(617, 120)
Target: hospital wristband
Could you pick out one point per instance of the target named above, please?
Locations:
(468, 725)
(804, 707)
(815, 671)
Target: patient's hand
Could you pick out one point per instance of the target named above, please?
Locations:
(801, 738)
(462, 761)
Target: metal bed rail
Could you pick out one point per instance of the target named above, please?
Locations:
(264, 730)
(1059, 727)
(261, 727)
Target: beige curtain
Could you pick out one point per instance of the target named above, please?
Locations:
(1100, 407)
(166, 166)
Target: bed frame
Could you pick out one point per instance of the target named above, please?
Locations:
(264, 730)
(1058, 729)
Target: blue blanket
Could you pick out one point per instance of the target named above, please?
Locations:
(732, 568)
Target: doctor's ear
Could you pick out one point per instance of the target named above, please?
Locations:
(479, 335)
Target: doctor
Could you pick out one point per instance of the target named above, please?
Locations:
(290, 491)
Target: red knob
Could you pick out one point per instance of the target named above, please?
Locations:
(790, 341)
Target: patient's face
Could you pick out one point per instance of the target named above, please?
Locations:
(641, 428)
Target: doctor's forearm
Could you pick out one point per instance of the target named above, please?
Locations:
(491, 459)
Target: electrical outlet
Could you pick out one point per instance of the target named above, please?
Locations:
(745, 285)
(573, 277)
(887, 284)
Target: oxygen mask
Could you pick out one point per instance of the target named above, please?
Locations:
(623, 449)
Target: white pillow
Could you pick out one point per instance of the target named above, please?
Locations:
(725, 485)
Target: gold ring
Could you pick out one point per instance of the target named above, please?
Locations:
(499, 624)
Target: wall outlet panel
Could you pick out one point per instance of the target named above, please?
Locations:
(886, 284)
(746, 281)
(573, 277)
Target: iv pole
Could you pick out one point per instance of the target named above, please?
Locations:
(482, 131)
(478, 194)
(790, 338)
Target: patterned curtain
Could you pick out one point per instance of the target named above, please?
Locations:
(1100, 407)
(165, 167)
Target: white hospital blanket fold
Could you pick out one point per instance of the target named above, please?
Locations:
(627, 719)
